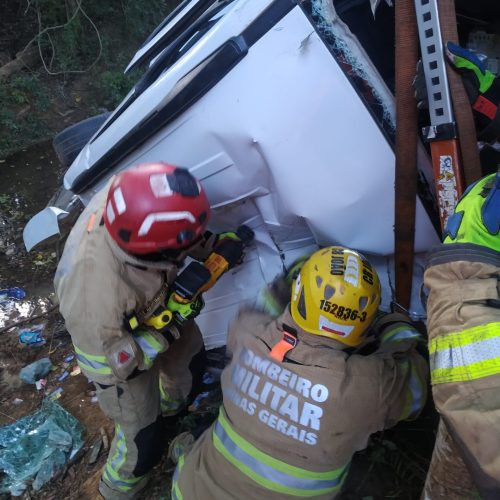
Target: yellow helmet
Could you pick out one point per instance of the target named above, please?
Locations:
(336, 294)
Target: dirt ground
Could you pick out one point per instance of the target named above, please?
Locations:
(393, 466)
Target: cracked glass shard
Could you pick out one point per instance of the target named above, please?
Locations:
(354, 61)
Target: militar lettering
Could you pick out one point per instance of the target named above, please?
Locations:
(276, 397)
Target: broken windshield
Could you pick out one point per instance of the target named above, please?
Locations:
(369, 69)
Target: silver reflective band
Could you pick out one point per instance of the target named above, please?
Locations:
(90, 362)
(418, 394)
(464, 355)
(400, 333)
(150, 352)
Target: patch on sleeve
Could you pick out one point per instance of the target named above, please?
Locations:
(122, 357)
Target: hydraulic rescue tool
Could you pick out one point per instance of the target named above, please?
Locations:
(198, 277)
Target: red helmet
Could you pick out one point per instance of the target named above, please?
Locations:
(155, 207)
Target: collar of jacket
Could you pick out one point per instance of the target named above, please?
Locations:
(129, 259)
(306, 337)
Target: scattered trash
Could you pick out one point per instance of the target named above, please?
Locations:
(17, 401)
(8, 294)
(18, 489)
(37, 446)
(40, 384)
(63, 376)
(54, 349)
(105, 440)
(76, 371)
(35, 371)
(32, 336)
(198, 402)
(56, 394)
(69, 359)
(95, 448)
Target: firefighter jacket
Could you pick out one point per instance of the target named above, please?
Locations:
(289, 429)
(464, 344)
(97, 285)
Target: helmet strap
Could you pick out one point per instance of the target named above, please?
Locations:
(285, 345)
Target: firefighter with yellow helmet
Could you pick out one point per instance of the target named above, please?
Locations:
(298, 398)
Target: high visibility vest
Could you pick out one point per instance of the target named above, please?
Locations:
(477, 215)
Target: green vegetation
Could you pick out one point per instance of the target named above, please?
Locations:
(18, 124)
(85, 46)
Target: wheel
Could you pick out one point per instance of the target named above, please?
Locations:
(68, 143)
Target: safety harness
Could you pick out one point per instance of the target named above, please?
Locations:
(285, 345)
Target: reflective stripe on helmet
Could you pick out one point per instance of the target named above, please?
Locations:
(148, 222)
(269, 472)
(466, 355)
(176, 492)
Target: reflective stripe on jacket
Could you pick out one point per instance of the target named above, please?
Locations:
(464, 344)
(97, 283)
(268, 472)
(289, 429)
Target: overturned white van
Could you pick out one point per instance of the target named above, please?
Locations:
(284, 116)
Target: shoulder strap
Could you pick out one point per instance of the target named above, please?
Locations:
(285, 345)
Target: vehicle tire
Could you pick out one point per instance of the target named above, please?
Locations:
(68, 143)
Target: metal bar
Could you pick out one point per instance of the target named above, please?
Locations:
(431, 46)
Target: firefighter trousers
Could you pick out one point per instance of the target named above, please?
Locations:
(138, 406)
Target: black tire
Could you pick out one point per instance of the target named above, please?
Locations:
(68, 143)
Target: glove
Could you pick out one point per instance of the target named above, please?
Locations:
(482, 87)
(231, 244)
(477, 215)
(275, 297)
(384, 320)
(185, 312)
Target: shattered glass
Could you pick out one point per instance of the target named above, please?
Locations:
(353, 60)
(37, 446)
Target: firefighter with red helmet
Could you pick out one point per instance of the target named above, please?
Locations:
(118, 263)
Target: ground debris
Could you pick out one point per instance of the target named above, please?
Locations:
(94, 451)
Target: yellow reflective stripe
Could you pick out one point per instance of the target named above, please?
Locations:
(269, 472)
(271, 461)
(122, 484)
(92, 362)
(167, 402)
(114, 464)
(176, 492)
(398, 334)
(121, 450)
(95, 357)
(464, 373)
(469, 336)
(467, 355)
